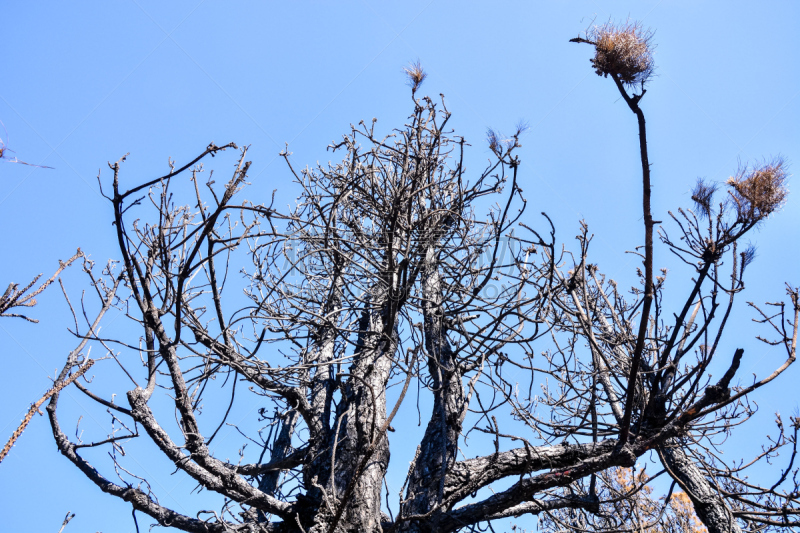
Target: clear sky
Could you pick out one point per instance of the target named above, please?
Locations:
(87, 82)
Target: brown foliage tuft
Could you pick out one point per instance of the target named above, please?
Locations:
(623, 50)
(758, 191)
(416, 75)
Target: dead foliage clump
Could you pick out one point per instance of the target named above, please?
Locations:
(415, 74)
(703, 195)
(758, 191)
(622, 50)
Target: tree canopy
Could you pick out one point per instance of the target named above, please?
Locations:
(398, 273)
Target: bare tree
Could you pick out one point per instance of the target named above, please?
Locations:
(383, 279)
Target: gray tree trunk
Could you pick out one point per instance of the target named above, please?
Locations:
(708, 504)
(357, 447)
(437, 451)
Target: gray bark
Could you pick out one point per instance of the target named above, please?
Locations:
(436, 453)
(709, 505)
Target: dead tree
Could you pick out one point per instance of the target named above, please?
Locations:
(382, 279)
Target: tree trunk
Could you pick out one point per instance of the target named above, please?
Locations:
(357, 449)
(439, 446)
(708, 504)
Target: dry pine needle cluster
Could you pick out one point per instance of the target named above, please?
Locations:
(623, 50)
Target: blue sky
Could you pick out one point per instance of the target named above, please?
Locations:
(85, 83)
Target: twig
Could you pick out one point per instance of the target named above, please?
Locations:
(35, 408)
